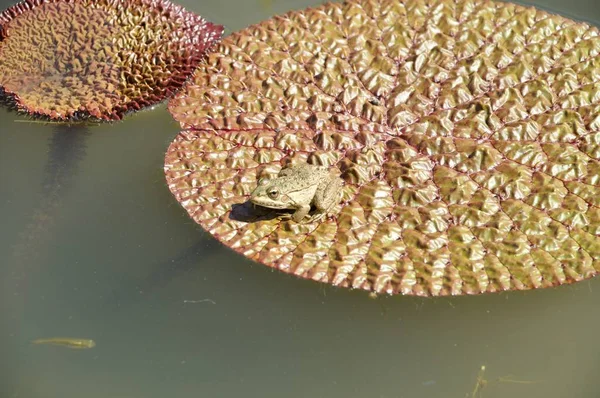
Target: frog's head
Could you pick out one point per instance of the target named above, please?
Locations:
(268, 193)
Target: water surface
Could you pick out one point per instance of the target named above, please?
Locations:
(173, 313)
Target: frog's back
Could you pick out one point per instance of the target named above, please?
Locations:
(305, 170)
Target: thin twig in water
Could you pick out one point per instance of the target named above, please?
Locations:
(207, 300)
(482, 382)
(509, 379)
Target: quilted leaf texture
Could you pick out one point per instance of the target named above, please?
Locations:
(79, 59)
(467, 134)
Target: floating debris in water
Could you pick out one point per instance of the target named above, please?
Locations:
(199, 301)
(482, 382)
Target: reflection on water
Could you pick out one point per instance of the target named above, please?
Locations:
(164, 272)
(66, 149)
(174, 313)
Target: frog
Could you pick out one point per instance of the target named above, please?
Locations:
(300, 187)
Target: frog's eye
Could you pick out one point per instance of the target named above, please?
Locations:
(273, 193)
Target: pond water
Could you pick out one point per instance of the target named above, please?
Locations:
(93, 245)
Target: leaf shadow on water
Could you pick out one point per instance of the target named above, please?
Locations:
(67, 148)
(130, 290)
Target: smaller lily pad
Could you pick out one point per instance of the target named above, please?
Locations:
(72, 59)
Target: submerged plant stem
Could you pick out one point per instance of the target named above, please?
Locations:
(67, 148)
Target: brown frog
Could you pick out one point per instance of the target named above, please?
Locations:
(299, 188)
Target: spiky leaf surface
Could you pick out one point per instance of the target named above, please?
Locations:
(68, 59)
(467, 133)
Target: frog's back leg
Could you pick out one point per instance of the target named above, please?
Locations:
(300, 213)
(327, 196)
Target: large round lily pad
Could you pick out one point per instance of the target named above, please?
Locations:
(66, 59)
(467, 133)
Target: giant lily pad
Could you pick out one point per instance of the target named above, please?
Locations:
(467, 133)
(82, 58)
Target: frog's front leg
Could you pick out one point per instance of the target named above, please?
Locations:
(326, 197)
(300, 213)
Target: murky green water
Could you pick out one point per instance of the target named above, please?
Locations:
(93, 245)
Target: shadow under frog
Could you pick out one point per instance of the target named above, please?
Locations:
(303, 192)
